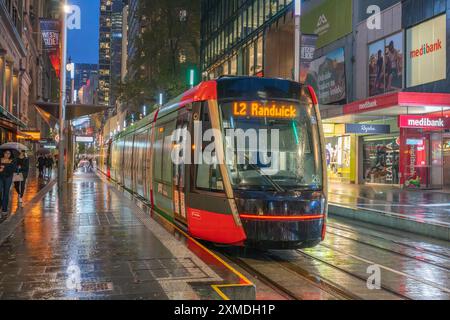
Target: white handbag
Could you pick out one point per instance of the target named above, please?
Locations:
(17, 177)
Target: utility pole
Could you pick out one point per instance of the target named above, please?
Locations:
(62, 177)
(298, 35)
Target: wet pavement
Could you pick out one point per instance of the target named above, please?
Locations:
(93, 242)
(419, 205)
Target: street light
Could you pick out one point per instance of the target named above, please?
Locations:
(298, 13)
(62, 103)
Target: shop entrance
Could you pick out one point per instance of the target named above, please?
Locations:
(446, 160)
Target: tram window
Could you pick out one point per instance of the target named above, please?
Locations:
(158, 147)
(208, 176)
(167, 153)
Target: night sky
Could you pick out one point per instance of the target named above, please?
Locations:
(83, 44)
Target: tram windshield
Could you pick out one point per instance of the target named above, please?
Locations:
(286, 153)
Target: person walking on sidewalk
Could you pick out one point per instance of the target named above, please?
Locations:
(41, 165)
(21, 175)
(7, 169)
(49, 162)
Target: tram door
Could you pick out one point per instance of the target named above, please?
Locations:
(179, 167)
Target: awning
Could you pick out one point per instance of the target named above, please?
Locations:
(7, 116)
(73, 111)
(390, 105)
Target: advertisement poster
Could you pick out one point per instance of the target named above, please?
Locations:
(307, 49)
(386, 65)
(327, 77)
(331, 20)
(427, 55)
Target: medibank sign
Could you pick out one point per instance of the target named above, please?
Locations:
(426, 45)
(424, 122)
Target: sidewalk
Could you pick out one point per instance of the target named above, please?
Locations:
(419, 211)
(92, 242)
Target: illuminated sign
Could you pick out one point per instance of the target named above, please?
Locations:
(424, 122)
(85, 139)
(426, 60)
(269, 110)
(367, 128)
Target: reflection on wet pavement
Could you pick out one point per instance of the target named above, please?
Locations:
(88, 243)
(421, 205)
(33, 186)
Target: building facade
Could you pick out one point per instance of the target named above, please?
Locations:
(26, 75)
(83, 73)
(381, 74)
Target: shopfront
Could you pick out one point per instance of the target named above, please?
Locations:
(425, 146)
(400, 138)
(341, 160)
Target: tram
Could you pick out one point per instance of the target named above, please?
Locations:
(276, 199)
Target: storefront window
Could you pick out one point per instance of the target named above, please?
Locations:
(338, 158)
(259, 55)
(381, 160)
(233, 66)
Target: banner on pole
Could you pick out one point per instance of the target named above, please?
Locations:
(50, 30)
(308, 44)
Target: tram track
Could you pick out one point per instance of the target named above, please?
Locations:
(369, 262)
(406, 245)
(352, 274)
(318, 282)
(409, 256)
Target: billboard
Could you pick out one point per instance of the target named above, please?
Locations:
(426, 46)
(330, 21)
(386, 58)
(327, 77)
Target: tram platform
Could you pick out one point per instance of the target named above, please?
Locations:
(92, 241)
(421, 212)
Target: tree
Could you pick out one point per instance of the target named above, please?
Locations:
(167, 47)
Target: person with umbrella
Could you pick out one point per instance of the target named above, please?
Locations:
(41, 165)
(21, 175)
(7, 169)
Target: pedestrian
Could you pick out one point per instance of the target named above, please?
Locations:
(21, 175)
(49, 162)
(91, 164)
(7, 169)
(41, 165)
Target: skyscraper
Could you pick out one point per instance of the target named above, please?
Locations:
(110, 55)
(104, 67)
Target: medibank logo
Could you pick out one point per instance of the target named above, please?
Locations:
(426, 49)
(426, 123)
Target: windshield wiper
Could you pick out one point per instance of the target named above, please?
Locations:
(265, 177)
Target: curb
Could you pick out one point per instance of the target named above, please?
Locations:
(434, 230)
(8, 227)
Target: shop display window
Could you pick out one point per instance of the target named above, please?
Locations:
(381, 161)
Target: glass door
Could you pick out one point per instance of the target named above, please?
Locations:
(446, 158)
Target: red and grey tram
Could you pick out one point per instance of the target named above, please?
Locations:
(261, 197)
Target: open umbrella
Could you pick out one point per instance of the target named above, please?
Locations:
(43, 151)
(13, 146)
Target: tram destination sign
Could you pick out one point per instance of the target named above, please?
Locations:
(260, 110)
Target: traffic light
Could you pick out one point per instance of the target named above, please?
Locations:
(192, 76)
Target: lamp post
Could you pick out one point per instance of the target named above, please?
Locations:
(70, 68)
(62, 177)
(298, 35)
